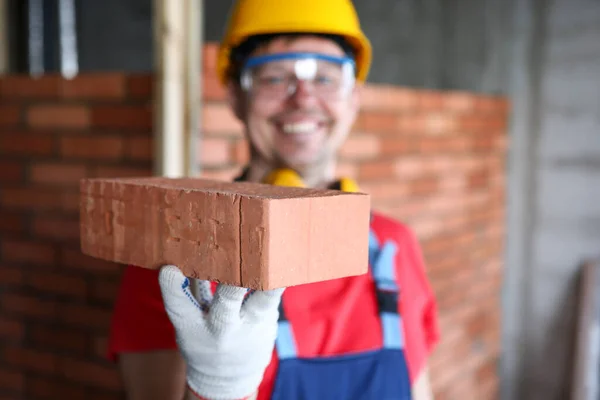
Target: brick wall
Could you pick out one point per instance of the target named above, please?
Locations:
(434, 160)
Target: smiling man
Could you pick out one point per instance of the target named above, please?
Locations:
(294, 71)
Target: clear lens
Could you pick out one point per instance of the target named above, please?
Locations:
(278, 76)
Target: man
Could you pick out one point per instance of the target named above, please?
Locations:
(293, 70)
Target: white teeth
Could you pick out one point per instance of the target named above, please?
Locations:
(300, 127)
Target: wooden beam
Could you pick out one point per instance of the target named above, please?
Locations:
(176, 86)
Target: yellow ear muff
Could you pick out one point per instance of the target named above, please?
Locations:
(284, 177)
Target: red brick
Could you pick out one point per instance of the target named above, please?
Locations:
(57, 174)
(140, 86)
(11, 380)
(385, 189)
(218, 119)
(53, 388)
(376, 169)
(26, 143)
(347, 169)
(9, 115)
(122, 117)
(227, 173)
(40, 199)
(209, 56)
(359, 147)
(11, 329)
(395, 145)
(30, 360)
(62, 228)
(215, 152)
(212, 90)
(96, 86)
(376, 121)
(24, 86)
(28, 305)
(261, 212)
(118, 172)
(423, 187)
(100, 346)
(11, 275)
(139, 148)
(75, 260)
(23, 251)
(50, 116)
(388, 98)
(241, 152)
(78, 315)
(59, 339)
(90, 373)
(11, 171)
(430, 100)
(104, 289)
(99, 147)
(460, 102)
(56, 283)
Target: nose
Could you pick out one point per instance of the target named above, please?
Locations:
(302, 93)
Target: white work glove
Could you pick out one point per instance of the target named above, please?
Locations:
(226, 341)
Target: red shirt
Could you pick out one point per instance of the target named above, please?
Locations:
(328, 318)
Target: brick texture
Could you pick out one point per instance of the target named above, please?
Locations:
(435, 160)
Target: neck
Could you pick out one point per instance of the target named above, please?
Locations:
(314, 176)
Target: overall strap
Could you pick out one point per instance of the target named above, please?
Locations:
(383, 269)
(285, 342)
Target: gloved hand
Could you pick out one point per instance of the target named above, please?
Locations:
(226, 341)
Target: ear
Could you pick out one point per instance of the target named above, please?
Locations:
(236, 100)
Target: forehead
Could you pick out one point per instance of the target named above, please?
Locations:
(310, 44)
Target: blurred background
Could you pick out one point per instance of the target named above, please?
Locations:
(480, 129)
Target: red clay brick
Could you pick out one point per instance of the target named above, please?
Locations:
(75, 260)
(52, 388)
(11, 328)
(11, 171)
(241, 231)
(59, 339)
(63, 228)
(120, 172)
(212, 90)
(215, 152)
(29, 306)
(218, 119)
(122, 117)
(96, 86)
(376, 169)
(11, 380)
(241, 152)
(31, 360)
(458, 101)
(56, 283)
(96, 147)
(360, 147)
(40, 199)
(139, 148)
(89, 373)
(57, 174)
(376, 121)
(64, 116)
(12, 222)
(27, 144)
(11, 275)
(24, 251)
(388, 98)
(85, 316)
(10, 115)
(24, 86)
(140, 87)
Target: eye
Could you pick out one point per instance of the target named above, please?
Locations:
(271, 79)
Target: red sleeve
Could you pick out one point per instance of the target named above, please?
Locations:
(139, 321)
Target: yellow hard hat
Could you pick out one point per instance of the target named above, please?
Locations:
(256, 17)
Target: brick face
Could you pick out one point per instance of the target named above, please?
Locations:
(435, 160)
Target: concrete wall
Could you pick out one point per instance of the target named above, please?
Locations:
(419, 43)
(554, 189)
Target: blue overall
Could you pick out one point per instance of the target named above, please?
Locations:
(374, 375)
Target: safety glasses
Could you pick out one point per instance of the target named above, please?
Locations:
(276, 76)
